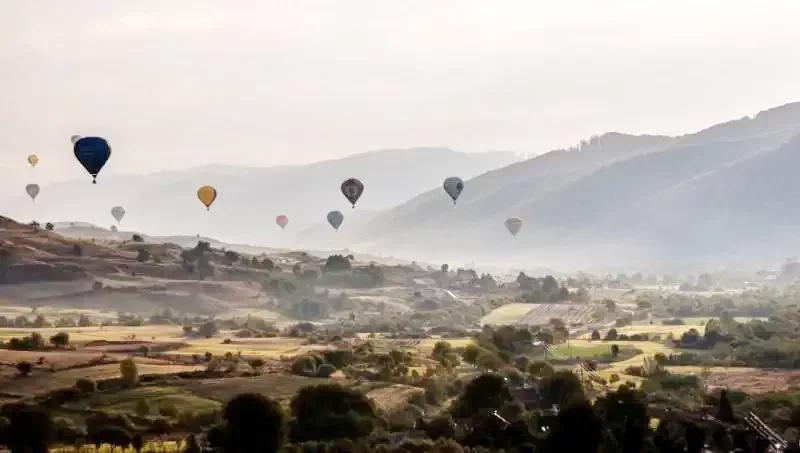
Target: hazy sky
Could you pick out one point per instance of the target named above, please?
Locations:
(174, 84)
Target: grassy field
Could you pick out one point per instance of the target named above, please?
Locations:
(270, 348)
(125, 401)
(583, 349)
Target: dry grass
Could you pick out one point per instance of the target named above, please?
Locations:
(393, 397)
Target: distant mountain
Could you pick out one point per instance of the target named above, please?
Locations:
(250, 198)
(619, 200)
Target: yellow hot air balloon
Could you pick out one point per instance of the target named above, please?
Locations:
(33, 159)
(207, 195)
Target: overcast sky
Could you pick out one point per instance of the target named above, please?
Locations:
(174, 84)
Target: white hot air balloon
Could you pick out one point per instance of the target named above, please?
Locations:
(33, 190)
(118, 212)
(74, 138)
(513, 225)
(453, 186)
(335, 218)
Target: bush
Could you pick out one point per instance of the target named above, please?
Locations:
(339, 358)
(129, 372)
(24, 368)
(86, 385)
(60, 339)
(304, 366)
(142, 255)
(330, 411)
(614, 378)
(142, 408)
(325, 370)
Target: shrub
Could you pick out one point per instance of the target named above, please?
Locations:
(614, 378)
(129, 372)
(86, 385)
(24, 368)
(304, 366)
(325, 370)
(142, 408)
(60, 339)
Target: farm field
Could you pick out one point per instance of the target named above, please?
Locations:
(538, 314)
(42, 383)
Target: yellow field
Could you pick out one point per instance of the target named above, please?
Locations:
(426, 346)
(648, 348)
(271, 348)
(507, 314)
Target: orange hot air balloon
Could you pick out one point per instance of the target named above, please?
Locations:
(207, 195)
(33, 159)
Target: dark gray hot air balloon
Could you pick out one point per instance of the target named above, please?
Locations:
(513, 225)
(453, 186)
(352, 190)
(335, 218)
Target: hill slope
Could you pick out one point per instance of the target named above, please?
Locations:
(618, 199)
(250, 198)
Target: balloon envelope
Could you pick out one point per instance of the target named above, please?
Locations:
(453, 186)
(513, 225)
(118, 212)
(33, 190)
(335, 218)
(352, 190)
(207, 195)
(282, 221)
(92, 153)
(33, 159)
(74, 138)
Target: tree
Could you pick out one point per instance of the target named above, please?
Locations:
(24, 368)
(129, 372)
(595, 335)
(142, 255)
(330, 412)
(30, 430)
(231, 257)
(137, 238)
(208, 329)
(612, 335)
(561, 389)
(77, 250)
(84, 321)
(325, 370)
(60, 339)
(337, 263)
(445, 268)
(540, 369)
(49, 226)
(614, 351)
(576, 429)
(470, 354)
(724, 409)
(610, 304)
(487, 391)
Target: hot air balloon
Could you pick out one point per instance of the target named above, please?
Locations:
(92, 153)
(33, 190)
(118, 212)
(513, 225)
(74, 138)
(282, 221)
(352, 190)
(207, 195)
(335, 218)
(453, 186)
(33, 159)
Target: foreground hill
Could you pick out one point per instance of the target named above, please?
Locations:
(250, 198)
(618, 200)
